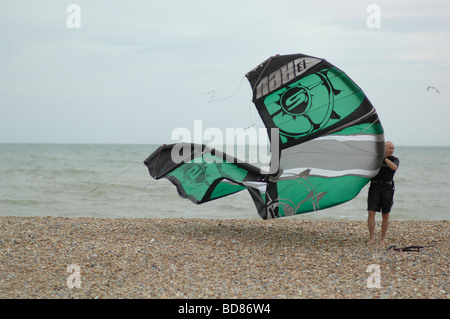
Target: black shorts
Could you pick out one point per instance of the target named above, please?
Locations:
(381, 196)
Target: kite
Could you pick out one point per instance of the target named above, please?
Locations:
(326, 141)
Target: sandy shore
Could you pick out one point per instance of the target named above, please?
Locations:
(193, 258)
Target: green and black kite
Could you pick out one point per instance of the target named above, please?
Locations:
(328, 146)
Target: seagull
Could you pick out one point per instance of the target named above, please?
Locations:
(432, 87)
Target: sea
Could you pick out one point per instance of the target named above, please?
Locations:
(111, 181)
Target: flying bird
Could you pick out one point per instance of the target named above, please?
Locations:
(432, 87)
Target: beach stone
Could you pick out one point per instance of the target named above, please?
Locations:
(211, 258)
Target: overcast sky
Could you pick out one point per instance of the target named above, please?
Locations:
(136, 70)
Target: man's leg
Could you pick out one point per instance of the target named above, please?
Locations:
(384, 227)
(371, 225)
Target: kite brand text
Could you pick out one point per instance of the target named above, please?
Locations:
(284, 75)
(242, 145)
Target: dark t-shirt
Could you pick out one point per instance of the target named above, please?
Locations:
(386, 174)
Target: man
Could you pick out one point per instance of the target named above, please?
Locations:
(381, 193)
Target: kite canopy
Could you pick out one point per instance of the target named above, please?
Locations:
(330, 143)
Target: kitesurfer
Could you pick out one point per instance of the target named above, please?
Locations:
(381, 193)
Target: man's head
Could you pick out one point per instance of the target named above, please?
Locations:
(389, 148)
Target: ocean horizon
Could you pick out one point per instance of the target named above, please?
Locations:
(111, 181)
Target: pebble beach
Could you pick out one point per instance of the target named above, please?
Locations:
(137, 258)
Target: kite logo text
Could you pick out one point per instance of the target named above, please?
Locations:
(284, 75)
